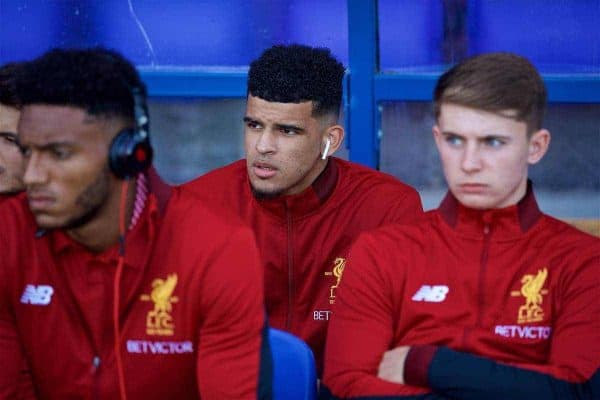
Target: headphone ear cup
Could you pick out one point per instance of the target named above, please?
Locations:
(129, 154)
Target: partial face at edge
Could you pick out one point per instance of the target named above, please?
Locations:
(283, 144)
(11, 159)
(66, 154)
(485, 156)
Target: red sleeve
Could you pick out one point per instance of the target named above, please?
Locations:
(406, 209)
(361, 328)
(14, 375)
(9, 353)
(230, 348)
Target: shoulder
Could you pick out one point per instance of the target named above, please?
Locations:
(16, 217)
(379, 186)
(189, 210)
(565, 232)
(390, 238)
(564, 237)
(218, 179)
(221, 189)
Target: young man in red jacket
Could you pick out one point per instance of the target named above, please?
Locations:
(304, 206)
(486, 297)
(108, 288)
(11, 159)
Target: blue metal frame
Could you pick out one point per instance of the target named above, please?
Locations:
(365, 86)
(363, 63)
(562, 88)
(194, 83)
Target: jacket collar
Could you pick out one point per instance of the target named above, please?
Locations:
(504, 222)
(306, 202)
(138, 242)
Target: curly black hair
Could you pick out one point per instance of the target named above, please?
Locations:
(97, 80)
(297, 73)
(8, 79)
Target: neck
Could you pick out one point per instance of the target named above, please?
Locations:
(103, 231)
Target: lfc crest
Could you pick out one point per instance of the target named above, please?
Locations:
(159, 320)
(337, 271)
(532, 290)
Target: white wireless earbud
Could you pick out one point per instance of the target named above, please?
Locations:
(326, 151)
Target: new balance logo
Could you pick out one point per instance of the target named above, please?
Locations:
(434, 294)
(39, 295)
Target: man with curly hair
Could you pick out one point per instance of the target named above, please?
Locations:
(305, 206)
(103, 287)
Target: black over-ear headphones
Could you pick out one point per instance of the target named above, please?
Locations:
(130, 151)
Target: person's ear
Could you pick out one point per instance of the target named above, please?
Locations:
(332, 140)
(539, 141)
(437, 135)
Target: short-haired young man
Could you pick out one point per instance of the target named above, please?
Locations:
(11, 159)
(486, 297)
(304, 206)
(109, 289)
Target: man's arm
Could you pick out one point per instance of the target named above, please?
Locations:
(573, 359)
(11, 358)
(361, 330)
(466, 376)
(233, 355)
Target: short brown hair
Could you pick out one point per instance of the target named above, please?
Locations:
(495, 82)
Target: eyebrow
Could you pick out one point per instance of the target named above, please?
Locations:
(486, 137)
(290, 127)
(50, 145)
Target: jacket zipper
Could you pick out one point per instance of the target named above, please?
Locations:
(95, 376)
(290, 256)
(483, 269)
(483, 261)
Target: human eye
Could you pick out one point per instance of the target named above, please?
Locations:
(251, 124)
(9, 137)
(25, 151)
(60, 153)
(454, 140)
(287, 131)
(494, 142)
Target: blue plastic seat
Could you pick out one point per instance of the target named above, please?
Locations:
(294, 370)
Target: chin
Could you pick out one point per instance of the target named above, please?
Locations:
(476, 203)
(265, 193)
(46, 222)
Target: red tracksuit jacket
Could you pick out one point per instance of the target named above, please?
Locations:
(512, 285)
(304, 239)
(191, 315)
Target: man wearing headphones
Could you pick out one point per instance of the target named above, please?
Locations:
(109, 289)
(304, 206)
(11, 160)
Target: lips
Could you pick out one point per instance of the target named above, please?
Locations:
(472, 188)
(39, 201)
(263, 170)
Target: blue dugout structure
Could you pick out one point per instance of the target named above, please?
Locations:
(394, 49)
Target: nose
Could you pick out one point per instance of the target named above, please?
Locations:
(471, 158)
(35, 172)
(266, 142)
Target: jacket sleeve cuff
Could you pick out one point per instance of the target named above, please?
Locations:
(416, 365)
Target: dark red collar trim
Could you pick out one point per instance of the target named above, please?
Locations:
(528, 210)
